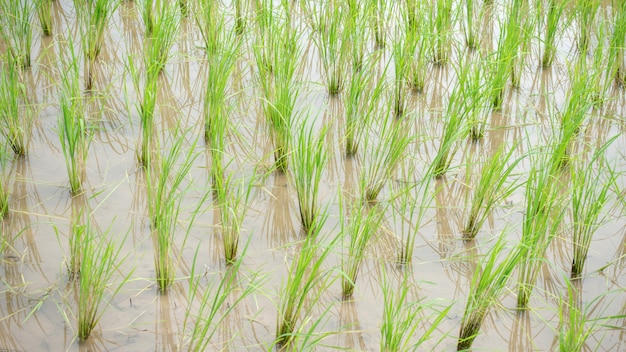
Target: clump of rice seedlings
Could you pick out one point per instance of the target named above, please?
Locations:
(402, 317)
(543, 215)
(100, 260)
(78, 228)
(553, 14)
(363, 224)
(573, 332)
(585, 12)
(474, 105)
(4, 192)
(591, 184)
(616, 68)
(453, 130)
(488, 281)
(306, 280)
(74, 134)
(164, 180)
(492, 188)
(333, 44)
(524, 35)
(384, 152)
(361, 103)
(402, 52)
(44, 13)
(211, 25)
(93, 19)
(16, 30)
(378, 13)
(418, 37)
(355, 30)
(15, 120)
(277, 66)
(442, 26)
(160, 39)
(309, 158)
(214, 302)
(471, 25)
(234, 203)
(240, 15)
(412, 211)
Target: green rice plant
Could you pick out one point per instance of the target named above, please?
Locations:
(585, 12)
(78, 235)
(442, 23)
(161, 37)
(591, 185)
(363, 224)
(419, 37)
(16, 30)
(544, 213)
(309, 158)
(4, 191)
(215, 303)
(411, 212)
(492, 188)
(471, 25)
(93, 19)
(234, 204)
(361, 103)
(164, 180)
(383, 153)
(355, 29)
(211, 25)
(490, 278)
(474, 105)
(453, 130)
(74, 134)
(279, 85)
(333, 42)
(616, 68)
(525, 24)
(377, 10)
(100, 260)
(15, 120)
(401, 317)
(403, 49)
(45, 17)
(306, 280)
(551, 27)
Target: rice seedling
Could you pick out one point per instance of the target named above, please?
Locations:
(553, 15)
(4, 191)
(403, 49)
(525, 24)
(44, 13)
(234, 203)
(161, 37)
(591, 185)
(306, 280)
(164, 189)
(215, 302)
(378, 13)
(74, 134)
(453, 130)
(493, 187)
(470, 26)
(442, 26)
(543, 215)
(474, 105)
(361, 103)
(77, 237)
(401, 317)
(100, 260)
(616, 68)
(332, 41)
(419, 37)
(277, 66)
(17, 31)
(383, 156)
(211, 25)
(15, 120)
(357, 231)
(355, 30)
(488, 281)
(309, 159)
(585, 12)
(93, 18)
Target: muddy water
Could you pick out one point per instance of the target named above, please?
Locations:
(38, 303)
